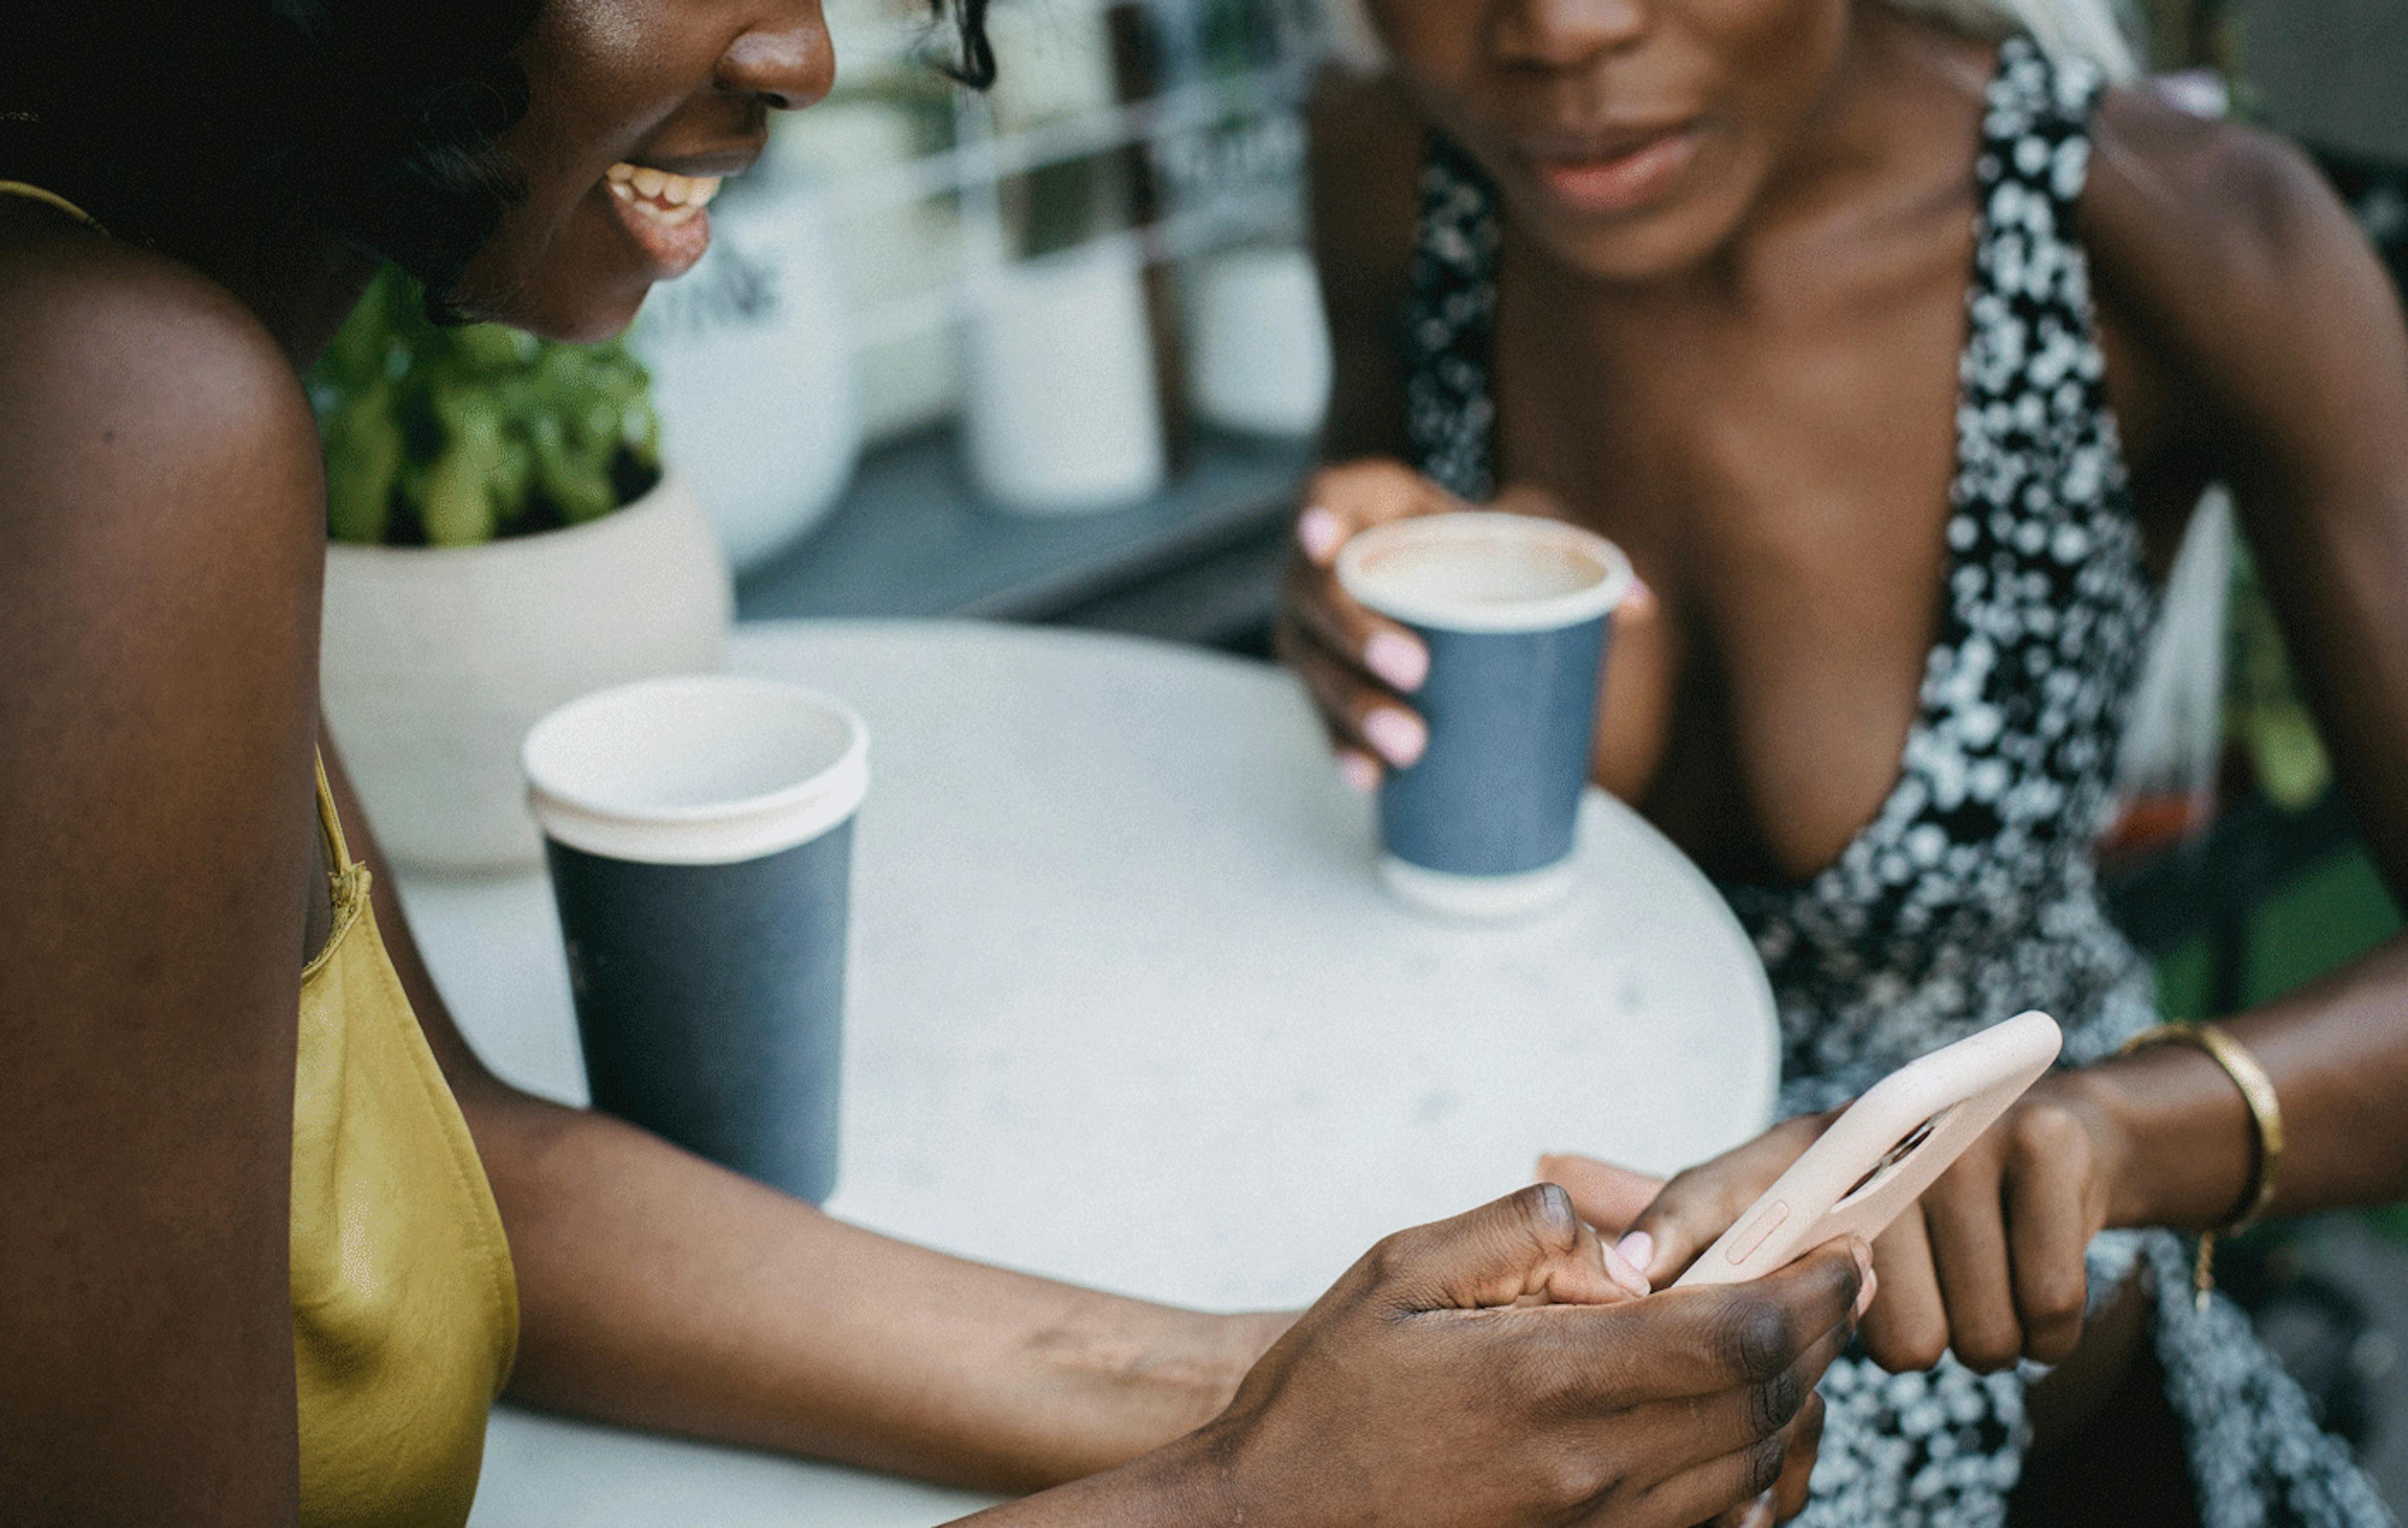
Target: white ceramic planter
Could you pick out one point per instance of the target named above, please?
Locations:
(435, 661)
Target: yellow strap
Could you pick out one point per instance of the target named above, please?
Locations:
(338, 855)
(33, 193)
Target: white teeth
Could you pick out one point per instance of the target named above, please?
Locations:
(660, 192)
(670, 216)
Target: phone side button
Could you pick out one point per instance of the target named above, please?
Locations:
(1767, 1222)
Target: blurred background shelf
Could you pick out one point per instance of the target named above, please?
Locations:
(915, 538)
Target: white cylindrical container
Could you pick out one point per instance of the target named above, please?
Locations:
(1064, 412)
(435, 661)
(1258, 342)
(752, 367)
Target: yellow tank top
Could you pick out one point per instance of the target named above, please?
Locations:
(404, 1307)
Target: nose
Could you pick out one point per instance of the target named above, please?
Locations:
(785, 61)
(1565, 34)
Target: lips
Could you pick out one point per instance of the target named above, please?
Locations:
(1618, 174)
(663, 213)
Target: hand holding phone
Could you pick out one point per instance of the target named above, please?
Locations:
(1884, 1150)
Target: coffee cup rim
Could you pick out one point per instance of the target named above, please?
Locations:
(1549, 612)
(708, 833)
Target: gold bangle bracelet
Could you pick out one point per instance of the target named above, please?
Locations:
(2265, 1112)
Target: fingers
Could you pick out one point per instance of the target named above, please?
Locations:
(1343, 502)
(1967, 1225)
(1363, 717)
(1669, 1437)
(1686, 1345)
(1907, 1327)
(1747, 1486)
(2049, 1230)
(1798, 1469)
(1331, 619)
(1356, 663)
(1527, 1248)
(1700, 1205)
(1606, 1196)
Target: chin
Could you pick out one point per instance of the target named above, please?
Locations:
(589, 320)
(1654, 249)
(579, 285)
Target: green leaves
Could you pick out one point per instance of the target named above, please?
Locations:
(2264, 710)
(453, 436)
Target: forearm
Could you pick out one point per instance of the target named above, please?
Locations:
(2337, 1051)
(659, 1291)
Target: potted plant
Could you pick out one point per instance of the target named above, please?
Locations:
(503, 539)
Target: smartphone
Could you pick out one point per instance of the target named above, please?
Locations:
(1887, 1148)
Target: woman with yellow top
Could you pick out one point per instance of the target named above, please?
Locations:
(273, 1239)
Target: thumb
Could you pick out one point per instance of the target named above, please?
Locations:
(1529, 1249)
(1607, 1196)
(1702, 1203)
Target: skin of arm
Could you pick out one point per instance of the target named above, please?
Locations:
(661, 1291)
(161, 537)
(2288, 345)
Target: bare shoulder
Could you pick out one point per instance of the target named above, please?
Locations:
(131, 385)
(2226, 248)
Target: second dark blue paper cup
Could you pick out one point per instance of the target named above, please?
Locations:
(700, 837)
(1515, 612)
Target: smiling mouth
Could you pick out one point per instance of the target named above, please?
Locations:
(671, 199)
(663, 213)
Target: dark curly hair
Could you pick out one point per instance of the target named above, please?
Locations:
(374, 119)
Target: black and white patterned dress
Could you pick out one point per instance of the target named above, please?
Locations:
(1973, 894)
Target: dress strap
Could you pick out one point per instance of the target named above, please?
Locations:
(348, 880)
(330, 826)
(33, 193)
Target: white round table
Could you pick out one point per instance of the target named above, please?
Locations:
(1128, 1008)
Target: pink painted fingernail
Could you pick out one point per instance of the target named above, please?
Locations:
(1866, 1292)
(1361, 775)
(1619, 1269)
(1320, 534)
(1638, 1249)
(1399, 735)
(1638, 599)
(1397, 658)
(1759, 1513)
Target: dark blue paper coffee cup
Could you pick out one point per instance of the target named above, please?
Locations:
(700, 837)
(1515, 611)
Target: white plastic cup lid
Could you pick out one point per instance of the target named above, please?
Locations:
(1480, 570)
(712, 770)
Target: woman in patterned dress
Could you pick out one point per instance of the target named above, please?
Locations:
(1897, 356)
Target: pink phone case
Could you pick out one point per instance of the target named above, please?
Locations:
(1887, 1147)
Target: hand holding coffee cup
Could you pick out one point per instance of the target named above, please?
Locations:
(1497, 624)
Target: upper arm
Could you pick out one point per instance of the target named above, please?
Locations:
(1366, 168)
(158, 555)
(2284, 343)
